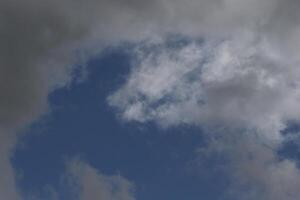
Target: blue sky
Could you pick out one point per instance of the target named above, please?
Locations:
(149, 100)
(81, 123)
(163, 162)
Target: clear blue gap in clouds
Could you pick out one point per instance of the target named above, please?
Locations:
(290, 148)
(81, 123)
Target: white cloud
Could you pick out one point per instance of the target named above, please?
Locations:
(236, 83)
(243, 85)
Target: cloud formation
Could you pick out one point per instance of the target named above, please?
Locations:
(32, 36)
(245, 75)
(89, 184)
(238, 86)
(241, 83)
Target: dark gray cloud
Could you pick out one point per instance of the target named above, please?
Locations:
(36, 55)
(29, 33)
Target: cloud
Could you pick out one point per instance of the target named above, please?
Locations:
(8, 189)
(39, 39)
(237, 83)
(90, 184)
(241, 88)
(81, 181)
(264, 175)
(32, 62)
(254, 169)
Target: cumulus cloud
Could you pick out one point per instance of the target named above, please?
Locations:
(260, 174)
(238, 83)
(254, 169)
(242, 85)
(90, 184)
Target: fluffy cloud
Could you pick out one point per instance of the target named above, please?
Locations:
(254, 168)
(241, 82)
(239, 86)
(89, 184)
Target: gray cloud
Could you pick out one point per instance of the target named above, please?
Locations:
(239, 86)
(38, 39)
(89, 184)
(31, 36)
(237, 83)
(254, 168)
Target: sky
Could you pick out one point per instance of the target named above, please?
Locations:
(149, 100)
